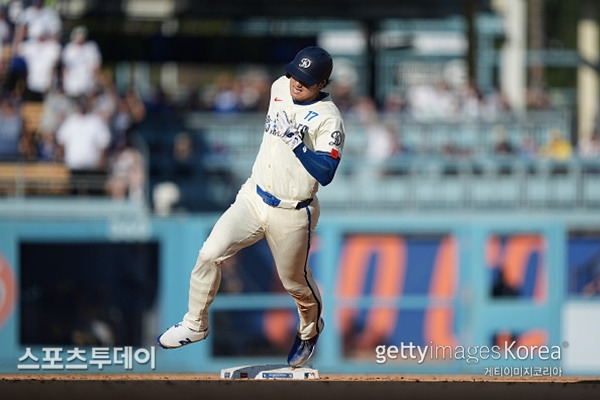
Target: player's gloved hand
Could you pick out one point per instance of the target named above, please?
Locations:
(287, 130)
(292, 138)
(282, 123)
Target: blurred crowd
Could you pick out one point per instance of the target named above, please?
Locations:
(57, 105)
(439, 103)
(419, 103)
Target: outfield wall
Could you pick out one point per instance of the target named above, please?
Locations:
(391, 283)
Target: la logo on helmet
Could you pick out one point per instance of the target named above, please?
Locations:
(304, 63)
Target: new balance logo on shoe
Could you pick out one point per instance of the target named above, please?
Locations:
(180, 335)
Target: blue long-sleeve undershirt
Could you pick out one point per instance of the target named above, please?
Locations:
(319, 164)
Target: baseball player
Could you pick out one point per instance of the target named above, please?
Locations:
(301, 148)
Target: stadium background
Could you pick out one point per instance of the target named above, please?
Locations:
(447, 241)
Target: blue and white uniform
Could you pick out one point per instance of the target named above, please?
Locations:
(278, 202)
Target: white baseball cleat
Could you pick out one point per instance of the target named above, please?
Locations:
(180, 335)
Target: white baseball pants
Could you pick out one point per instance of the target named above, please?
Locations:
(288, 233)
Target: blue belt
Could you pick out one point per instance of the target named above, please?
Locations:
(273, 201)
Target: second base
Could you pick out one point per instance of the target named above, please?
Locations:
(276, 371)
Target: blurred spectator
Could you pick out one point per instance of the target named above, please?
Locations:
(528, 148)
(46, 148)
(558, 148)
(5, 35)
(224, 96)
(130, 112)
(183, 188)
(440, 102)
(421, 101)
(343, 94)
(590, 147)
(445, 102)
(14, 11)
(433, 102)
(185, 160)
(81, 60)
(382, 141)
(56, 108)
(35, 20)
(502, 145)
(495, 105)
(255, 86)
(126, 173)
(185, 171)
(83, 140)
(14, 72)
(157, 102)
(453, 150)
(126, 165)
(471, 102)
(11, 130)
(344, 79)
(106, 98)
(393, 103)
(41, 54)
(537, 98)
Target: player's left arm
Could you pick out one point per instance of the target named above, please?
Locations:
(322, 162)
(321, 165)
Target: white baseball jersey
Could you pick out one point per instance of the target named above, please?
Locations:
(286, 227)
(277, 169)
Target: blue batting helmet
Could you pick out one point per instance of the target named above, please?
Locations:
(311, 65)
